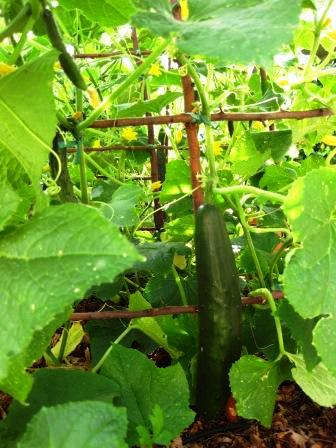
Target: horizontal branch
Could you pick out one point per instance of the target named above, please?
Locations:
(219, 116)
(166, 310)
(114, 54)
(121, 148)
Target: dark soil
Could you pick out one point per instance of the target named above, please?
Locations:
(297, 422)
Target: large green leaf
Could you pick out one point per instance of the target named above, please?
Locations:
(85, 424)
(324, 341)
(45, 266)
(123, 203)
(27, 115)
(309, 280)
(319, 384)
(107, 13)
(52, 387)
(244, 31)
(277, 141)
(142, 386)
(254, 384)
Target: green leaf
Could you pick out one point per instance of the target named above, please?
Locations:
(301, 330)
(57, 386)
(150, 326)
(228, 23)
(310, 208)
(277, 177)
(276, 141)
(159, 256)
(123, 203)
(46, 265)
(181, 229)
(27, 127)
(107, 13)
(324, 340)
(177, 181)
(254, 384)
(143, 385)
(319, 384)
(141, 107)
(85, 424)
(246, 159)
(8, 205)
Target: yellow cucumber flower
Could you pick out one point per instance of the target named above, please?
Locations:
(129, 134)
(156, 185)
(329, 140)
(6, 68)
(178, 135)
(155, 70)
(184, 9)
(94, 99)
(217, 147)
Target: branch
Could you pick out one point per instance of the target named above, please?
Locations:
(121, 148)
(219, 116)
(111, 55)
(166, 310)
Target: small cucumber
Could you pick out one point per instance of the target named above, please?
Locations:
(220, 311)
(18, 23)
(66, 61)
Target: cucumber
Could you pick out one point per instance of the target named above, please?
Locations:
(220, 311)
(18, 23)
(68, 64)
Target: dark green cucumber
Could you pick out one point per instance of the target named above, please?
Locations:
(68, 64)
(220, 311)
(18, 23)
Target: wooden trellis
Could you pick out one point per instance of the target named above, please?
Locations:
(185, 118)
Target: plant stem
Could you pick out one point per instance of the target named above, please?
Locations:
(317, 36)
(277, 256)
(179, 286)
(275, 197)
(119, 90)
(80, 149)
(264, 292)
(22, 41)
(52, 356)
(108, 351)
(250, 244)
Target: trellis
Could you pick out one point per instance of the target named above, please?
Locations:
(191, 127)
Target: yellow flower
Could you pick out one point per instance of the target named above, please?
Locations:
(258, 126)
(129, 134)
(332, 34)
(94, 99)
(217, 147)
(96, 144)
(77, 116)
(184, 9)
(156, 185)
(178, 135)
(155, 70)
(6, 68)
(283, 82)
(329, 140)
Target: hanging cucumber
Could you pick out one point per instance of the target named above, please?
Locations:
(66, 61)
(220, 311)
(18, 23)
